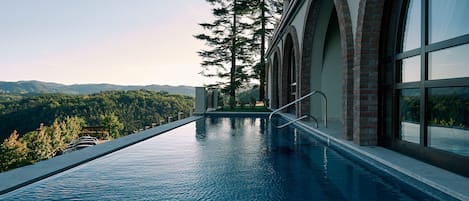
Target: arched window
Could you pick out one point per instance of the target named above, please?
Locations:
(288, 81)
(292, 72)
(275, 85)
(431, 75)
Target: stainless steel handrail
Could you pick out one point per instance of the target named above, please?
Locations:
(302, 98)
(293, 121)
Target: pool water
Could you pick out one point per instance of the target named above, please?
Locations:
(221, 159)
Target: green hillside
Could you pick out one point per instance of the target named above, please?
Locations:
(135, 109)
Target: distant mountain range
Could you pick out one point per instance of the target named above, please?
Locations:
(35, 87)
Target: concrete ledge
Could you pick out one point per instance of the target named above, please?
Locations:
(437, 182)
(23, 176)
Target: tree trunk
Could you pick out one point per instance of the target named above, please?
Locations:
(262, 70)
(233, 60)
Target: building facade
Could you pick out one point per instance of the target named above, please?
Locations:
(395, 72)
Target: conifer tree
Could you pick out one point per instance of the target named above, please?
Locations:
(39, 144)
(265, 16)
(228, 54)
(55, 133)
(13, 153)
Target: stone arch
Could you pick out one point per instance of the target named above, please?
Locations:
(275, 76)
(322, 64)
(331, 72)
(304, 83)
(346, 39)
(290, 49)
(267, 67)
(365, 72)
(347, 48)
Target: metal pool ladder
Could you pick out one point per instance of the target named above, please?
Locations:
(304, 116)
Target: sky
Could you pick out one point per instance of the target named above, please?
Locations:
(126, 42)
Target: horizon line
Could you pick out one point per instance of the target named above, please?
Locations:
(96, 83)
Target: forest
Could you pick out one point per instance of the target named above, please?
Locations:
(135, 109)
(447, 108)
(38, 127)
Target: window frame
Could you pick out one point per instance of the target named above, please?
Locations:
(423, 51)
(390, 86)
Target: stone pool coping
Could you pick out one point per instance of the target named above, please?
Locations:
(19, 177)
(435, 181)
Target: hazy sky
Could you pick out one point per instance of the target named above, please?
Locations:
(130, 42)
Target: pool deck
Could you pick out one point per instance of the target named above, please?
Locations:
(438, 182)
(23, 176)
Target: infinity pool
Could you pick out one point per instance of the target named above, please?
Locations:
(221, 159)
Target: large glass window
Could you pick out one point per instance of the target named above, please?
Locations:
(292, 76)
(411, 69)
(448, 126)
(432, 75)
(448, 19)
(409, 109)
(412, 26)
(449, 63)
(293, 72)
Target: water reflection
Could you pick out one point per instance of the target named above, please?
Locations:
(283, 164)
(325, 162)
(409, 109)
(263, 124)
(449, 119)
(449, 63)
(233, 124)
(213, 121)
(410, 70)
(411, 39)
(200, 129)
(448, 19)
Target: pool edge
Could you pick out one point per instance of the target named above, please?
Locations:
(23, 176)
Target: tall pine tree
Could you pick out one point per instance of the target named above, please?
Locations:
(265, 15)
(228, 43)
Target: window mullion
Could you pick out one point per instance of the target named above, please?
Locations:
(423, 73)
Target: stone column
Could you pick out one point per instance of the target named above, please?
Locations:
(200, 101)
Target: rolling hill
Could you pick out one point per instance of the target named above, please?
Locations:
(37, 87)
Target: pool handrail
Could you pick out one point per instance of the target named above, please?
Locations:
(302, 98)
(293, 121)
